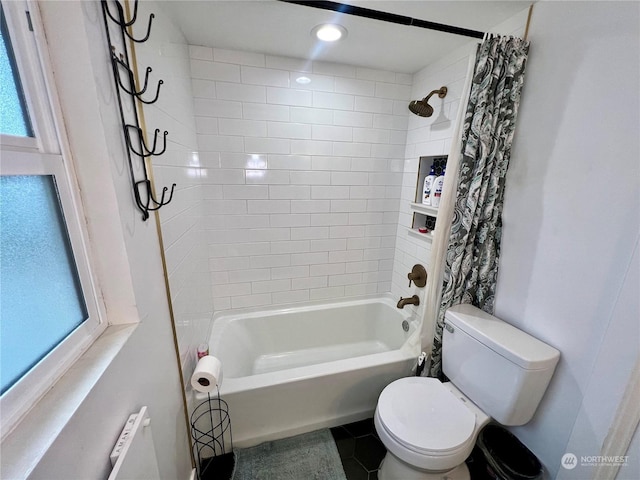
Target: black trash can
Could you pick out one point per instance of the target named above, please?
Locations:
(506, 457)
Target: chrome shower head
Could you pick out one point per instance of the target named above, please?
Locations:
(422, 107)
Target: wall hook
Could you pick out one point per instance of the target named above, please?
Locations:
(145, 151)
(117, 62)
(124, 25)
(145, 199)
(120, 20)
(143, 191)
(155, 99)
(146, 37)
(162, 200)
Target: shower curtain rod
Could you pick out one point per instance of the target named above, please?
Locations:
(386, 17)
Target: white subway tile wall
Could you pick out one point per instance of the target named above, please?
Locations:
(190, 280)
(429, 136)
(426, 136)
(301, 181)
(288, 192)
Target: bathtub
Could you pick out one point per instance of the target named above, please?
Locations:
(293, 370)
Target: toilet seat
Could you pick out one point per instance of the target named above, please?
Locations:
(429, 424)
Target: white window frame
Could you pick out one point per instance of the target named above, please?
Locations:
(41, 155)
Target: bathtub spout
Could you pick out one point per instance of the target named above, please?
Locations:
(415, 300)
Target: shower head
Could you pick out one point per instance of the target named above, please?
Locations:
(422, 107)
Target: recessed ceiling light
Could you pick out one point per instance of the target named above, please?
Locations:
(329, 32)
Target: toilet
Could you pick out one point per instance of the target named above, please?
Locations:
(495, 370)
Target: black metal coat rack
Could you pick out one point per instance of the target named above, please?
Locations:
(124, 78)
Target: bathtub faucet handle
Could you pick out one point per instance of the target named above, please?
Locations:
(418, 275)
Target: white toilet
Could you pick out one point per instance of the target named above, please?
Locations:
(496, 371)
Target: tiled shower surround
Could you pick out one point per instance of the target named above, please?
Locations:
(301, 181)
(287, 192)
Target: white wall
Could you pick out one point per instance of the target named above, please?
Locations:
(571, 218)
(145, 372)
(301, 182)
(613, 360)
(632, 471)
(167, 53)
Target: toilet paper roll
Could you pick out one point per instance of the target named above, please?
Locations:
(207, 375)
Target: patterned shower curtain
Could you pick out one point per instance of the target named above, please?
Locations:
(471, 267)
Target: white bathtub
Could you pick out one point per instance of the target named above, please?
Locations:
(292, 370)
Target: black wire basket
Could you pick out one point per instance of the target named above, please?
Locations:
(212, 439)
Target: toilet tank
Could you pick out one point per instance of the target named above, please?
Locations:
(502, 369)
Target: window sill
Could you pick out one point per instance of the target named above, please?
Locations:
(44, 422)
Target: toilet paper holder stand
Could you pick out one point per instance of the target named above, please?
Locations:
(212, 437)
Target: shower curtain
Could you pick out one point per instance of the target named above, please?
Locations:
(471, 262)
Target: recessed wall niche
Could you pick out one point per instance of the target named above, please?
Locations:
(424, 216)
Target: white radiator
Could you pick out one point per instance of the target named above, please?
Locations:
(134, 456)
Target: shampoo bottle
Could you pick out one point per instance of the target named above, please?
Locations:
(428, 187)
(436, 188)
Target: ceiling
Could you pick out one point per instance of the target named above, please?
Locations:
(283, 29)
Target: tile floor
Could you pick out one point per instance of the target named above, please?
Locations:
(360, 449)
(361, 452)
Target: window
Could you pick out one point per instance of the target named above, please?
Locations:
(48, 306)
(42, 302)
(14, 113)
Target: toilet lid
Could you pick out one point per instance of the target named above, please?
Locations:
(424, 415)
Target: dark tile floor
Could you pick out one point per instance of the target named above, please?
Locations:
(361, 452)
(360, 449)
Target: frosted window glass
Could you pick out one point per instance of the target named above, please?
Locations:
(13, 116)
(41, 301)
